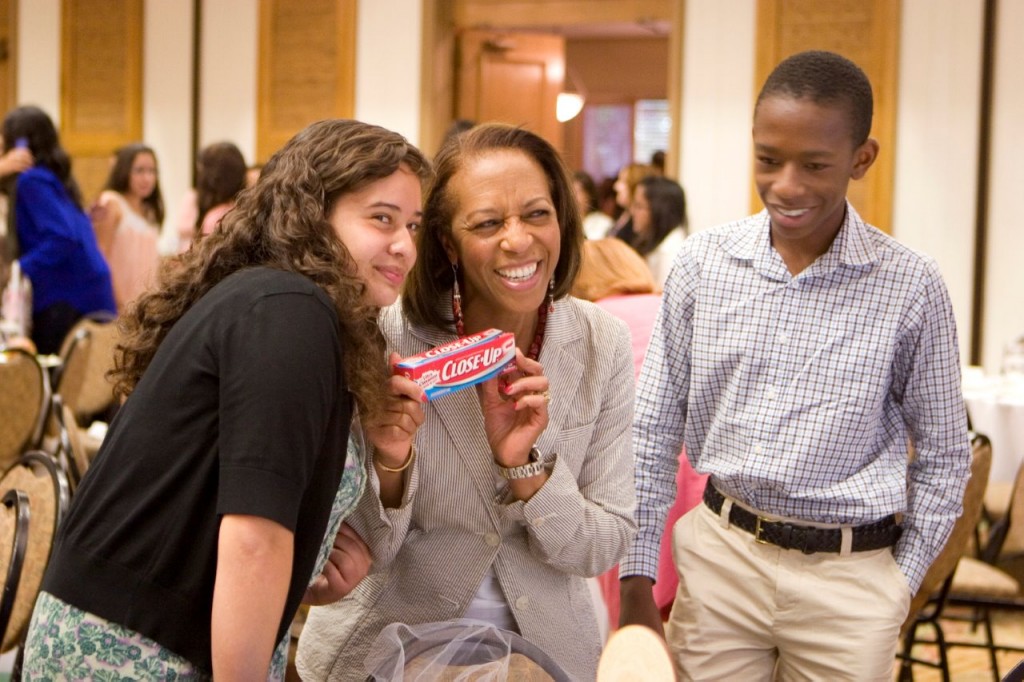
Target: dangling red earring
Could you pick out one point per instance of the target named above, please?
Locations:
(551, 295)
(460, 323)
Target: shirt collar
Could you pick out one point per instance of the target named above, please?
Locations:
(852, 245)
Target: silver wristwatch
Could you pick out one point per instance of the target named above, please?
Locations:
(534, 467)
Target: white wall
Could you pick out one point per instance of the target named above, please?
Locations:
(167, 102)
(388, 56)
(937, 139)
(1004, 291)
(38, 61)
(227, 79)
(717, 110)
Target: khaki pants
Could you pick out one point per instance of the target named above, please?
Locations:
(750, 611)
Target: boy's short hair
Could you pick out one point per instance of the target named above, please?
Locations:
(824, 78)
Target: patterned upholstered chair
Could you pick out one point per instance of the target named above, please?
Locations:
(24, 396)
(37, 479)
(87, 355)
(926, 607)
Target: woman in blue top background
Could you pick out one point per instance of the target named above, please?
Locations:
(56, 244)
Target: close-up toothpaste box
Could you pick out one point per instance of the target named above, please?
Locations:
(464, 362)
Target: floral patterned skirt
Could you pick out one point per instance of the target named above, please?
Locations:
(66, 643)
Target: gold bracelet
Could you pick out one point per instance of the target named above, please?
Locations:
(396, 470)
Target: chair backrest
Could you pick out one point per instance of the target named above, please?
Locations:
(963, 530)
(24, 394)
(39, 478)
(87, 354)
(1013, 542)
(73, 454)
(14, 519)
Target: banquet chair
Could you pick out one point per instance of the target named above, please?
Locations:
(927, 605)
(1004, 509)
(37, 477)
(983, 586)
(24, 396)
(14, 519)
(72, 453)
(87, 355)
(1016, 674)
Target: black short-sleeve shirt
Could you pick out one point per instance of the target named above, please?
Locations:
(243, 410)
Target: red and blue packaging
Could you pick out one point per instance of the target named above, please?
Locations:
(465, 362)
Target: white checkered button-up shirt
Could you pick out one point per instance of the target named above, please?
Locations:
(798, 393)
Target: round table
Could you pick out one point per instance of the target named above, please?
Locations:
(996, 407)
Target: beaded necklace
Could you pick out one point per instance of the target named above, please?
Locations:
(546, 306)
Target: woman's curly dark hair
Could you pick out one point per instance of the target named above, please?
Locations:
(283, 222)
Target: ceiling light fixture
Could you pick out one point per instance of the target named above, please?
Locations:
(570, 102)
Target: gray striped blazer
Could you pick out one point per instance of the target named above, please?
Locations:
(457, 520)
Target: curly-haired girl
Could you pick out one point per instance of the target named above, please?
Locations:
(193, 538)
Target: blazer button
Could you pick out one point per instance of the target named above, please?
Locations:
(537, 522)
(492, 539)
(522, 602)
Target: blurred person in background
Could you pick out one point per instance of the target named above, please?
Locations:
(127, 218)
(220, 175)
(625, 186)
(596, 224)
(659, 223)
(56, 247)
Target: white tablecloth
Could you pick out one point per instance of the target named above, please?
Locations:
(996, 406)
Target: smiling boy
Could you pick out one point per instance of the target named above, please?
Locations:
(796, 353)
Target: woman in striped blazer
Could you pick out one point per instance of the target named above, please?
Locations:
(516, 490)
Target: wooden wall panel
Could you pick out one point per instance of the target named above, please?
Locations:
(553, 13)
(101, 84)
(864, 31)
(437, 74)
(306, 67)
(8, 51)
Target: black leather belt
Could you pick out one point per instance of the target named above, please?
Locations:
(807, 539)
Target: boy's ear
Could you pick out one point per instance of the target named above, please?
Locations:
(863, 157)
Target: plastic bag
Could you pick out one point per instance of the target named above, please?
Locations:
(457, 651)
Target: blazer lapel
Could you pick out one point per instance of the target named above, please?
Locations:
(560, 356)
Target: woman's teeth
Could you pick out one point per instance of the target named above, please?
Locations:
(522, 273)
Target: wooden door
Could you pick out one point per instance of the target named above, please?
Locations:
(864, 31)
(8, 49)
(101, 84)
(306, 68)
(513, 78)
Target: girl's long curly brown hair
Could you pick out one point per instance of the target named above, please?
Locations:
(283, 222)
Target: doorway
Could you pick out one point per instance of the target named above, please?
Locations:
(625, 60)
